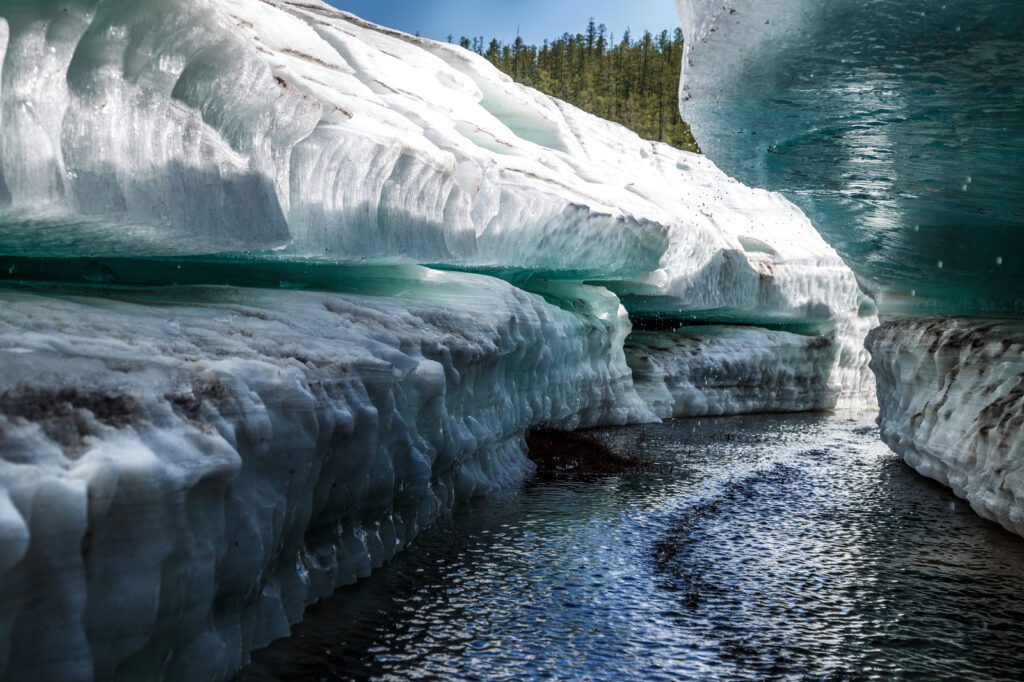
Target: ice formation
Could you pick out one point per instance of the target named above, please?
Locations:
(307, 129)
(175, 128)
(308, 137)
(225, 456)
(711, 371)
(898, 128)
(951, 393)
(224, 449)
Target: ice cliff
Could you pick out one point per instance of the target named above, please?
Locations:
(184, 472)
(951, 393)
(898, 127)
(230, 384)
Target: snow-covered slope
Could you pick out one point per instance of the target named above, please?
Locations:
(183, 472)
(951, 393)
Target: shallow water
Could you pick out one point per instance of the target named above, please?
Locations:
(792, 546)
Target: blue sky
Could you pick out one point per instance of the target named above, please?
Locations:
(537, 19)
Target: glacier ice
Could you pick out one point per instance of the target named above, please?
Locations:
(711, 371)
(230, 384)
(951, 392)
(262, 142)
(223, 456)
(898, 127)
(311, 131)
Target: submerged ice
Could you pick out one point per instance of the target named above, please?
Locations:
(240, 364)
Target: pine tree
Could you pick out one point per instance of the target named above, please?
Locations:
(632, 83)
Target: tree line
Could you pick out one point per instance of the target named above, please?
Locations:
(634, 82)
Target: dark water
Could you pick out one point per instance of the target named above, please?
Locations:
(793, 547)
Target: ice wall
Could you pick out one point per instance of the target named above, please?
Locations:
(171, 127)
(897, 126)
(951, 393)
(711, 371)
(184, 471)
(291, 131)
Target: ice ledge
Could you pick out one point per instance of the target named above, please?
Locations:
(182, 472)
(951, 394)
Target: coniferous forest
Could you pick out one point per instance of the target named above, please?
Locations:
(634, 82)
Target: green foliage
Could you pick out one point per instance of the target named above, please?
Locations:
(632, 82)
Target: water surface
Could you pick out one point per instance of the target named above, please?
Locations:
(793, 546)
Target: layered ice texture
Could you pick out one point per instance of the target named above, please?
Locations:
(899, 128)
(711, 371)
(184, 471)
(951, 392)
(173, 128)
(241, 365)
(270, 143)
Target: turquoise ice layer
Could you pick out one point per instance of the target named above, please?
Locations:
(898, 126)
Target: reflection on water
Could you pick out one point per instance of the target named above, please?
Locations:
(769, 546)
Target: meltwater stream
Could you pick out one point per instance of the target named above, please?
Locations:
(793, 546)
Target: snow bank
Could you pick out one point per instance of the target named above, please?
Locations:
(183, 473)
(951, 393)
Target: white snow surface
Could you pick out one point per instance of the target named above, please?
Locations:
(183, 474)
(951, 398)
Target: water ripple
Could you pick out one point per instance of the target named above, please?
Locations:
(793, 547)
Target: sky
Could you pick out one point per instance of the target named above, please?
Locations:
(536, 19)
